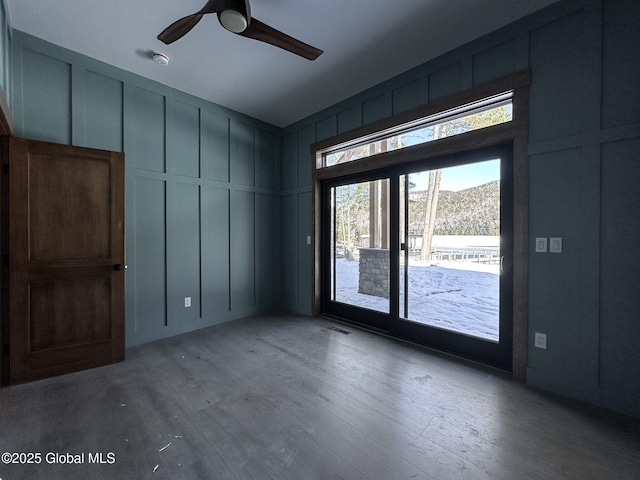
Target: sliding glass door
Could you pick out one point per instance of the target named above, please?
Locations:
(450, 258)
(424, 252)
(357, 280)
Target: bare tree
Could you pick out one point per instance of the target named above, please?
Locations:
(445, 129)
(351, 210)
(430, 213)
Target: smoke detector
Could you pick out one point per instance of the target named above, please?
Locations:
(160, 58)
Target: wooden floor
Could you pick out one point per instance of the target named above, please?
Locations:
(285, 397)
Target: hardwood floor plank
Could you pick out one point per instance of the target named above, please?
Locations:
(285, 397)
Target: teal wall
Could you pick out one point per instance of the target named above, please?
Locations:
(202, 186)
(584, 169)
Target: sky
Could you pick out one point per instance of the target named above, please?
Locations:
(461, 177)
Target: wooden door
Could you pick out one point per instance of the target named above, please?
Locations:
(66, 258)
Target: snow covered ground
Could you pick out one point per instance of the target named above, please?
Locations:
(460, 296)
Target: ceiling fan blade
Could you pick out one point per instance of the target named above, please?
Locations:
(180, 28)
(264, 33)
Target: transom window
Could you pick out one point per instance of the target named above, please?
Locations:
(483, 113)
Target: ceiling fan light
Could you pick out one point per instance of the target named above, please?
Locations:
(233, 20)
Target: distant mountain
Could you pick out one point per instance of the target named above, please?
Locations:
(473, 211)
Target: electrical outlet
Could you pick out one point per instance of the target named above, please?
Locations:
(540, 340)
(187, 302)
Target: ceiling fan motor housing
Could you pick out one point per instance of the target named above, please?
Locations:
(233, 20)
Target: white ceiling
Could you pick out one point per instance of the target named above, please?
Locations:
(365, 42)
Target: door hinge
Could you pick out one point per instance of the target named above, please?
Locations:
(5, 168)
(5, 259)
(5, 349)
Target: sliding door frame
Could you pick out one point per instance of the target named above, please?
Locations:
(514, 131)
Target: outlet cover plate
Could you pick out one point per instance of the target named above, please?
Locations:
(541, 340)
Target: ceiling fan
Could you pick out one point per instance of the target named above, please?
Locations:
(235, 16)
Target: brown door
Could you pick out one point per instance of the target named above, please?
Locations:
(66, 258)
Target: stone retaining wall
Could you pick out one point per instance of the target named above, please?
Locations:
(374, 272)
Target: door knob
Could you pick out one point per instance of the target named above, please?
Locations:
(117, 267)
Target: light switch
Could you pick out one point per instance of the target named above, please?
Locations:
(555, 245)
(308, 239)
(541, 245)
